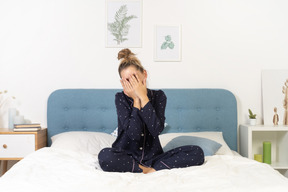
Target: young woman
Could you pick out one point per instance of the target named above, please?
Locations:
(141, 117)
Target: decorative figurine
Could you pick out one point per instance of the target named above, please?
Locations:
(275, 117)
(285, 103)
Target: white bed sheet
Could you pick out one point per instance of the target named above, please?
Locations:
(52, 169)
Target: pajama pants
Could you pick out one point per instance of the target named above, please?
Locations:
(113, 160)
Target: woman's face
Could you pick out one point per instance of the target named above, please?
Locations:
(129, 71)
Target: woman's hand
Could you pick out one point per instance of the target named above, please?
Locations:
(139, 88)
(128, 89)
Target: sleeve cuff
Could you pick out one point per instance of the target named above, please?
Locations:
(135, 111)
(146, 108)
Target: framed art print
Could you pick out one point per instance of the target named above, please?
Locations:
(167, 43)
(123, 23)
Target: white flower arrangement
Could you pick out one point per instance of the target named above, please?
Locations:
(5, 98)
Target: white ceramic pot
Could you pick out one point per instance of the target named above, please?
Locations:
(252, 121)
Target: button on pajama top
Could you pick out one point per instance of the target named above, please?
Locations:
(138, 142)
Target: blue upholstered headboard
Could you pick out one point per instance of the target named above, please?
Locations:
(188, 110)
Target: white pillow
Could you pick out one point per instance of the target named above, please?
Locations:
(215, 136)
(91, 142)
(115, 132)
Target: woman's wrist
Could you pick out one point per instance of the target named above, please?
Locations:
(144, 101)
(137, 103)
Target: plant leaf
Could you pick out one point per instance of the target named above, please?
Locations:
(164, 45)
(127, 19)
(168, 38)
(121, 13)
(171, 45)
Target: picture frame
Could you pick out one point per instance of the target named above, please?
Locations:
(123, 23)
(274, 94)
(167, 43)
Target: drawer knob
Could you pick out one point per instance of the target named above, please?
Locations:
(5, 146)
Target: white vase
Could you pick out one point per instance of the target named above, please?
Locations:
(252, 121)
(11, 114)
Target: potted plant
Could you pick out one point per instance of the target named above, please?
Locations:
(252, 117)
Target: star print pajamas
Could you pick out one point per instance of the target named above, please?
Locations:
(138, 142)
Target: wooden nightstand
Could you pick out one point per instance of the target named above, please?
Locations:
(16, 145)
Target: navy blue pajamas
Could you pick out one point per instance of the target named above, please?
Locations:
(138, 141)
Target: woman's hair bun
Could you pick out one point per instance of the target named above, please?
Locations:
(124, 54)
(128, 59)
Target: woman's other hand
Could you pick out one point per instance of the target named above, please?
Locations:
(139, 88)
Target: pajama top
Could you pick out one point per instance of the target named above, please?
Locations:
(138, 130)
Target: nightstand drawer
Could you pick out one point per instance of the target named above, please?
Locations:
(16, 145)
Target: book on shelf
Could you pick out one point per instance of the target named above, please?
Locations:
(33, 125)
(26, 129)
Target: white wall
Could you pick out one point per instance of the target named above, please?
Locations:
(51, 44)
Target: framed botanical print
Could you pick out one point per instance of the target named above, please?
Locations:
(167, 43)
(123, 23)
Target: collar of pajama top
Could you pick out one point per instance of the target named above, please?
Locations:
(138, 130)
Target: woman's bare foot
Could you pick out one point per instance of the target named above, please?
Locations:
(147, 169)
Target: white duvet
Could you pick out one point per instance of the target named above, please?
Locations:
(53, 170)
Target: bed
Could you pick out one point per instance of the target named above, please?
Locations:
(83, 121)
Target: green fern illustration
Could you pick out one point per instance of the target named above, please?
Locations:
(120, 28)
(167, 43)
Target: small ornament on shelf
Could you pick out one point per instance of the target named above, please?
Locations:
(275, 117)
(267, 152)
(285, 102)
(258, 157)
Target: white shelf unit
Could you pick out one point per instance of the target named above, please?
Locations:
(252, 138)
